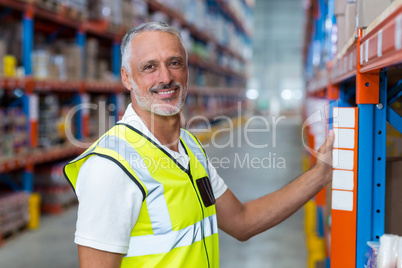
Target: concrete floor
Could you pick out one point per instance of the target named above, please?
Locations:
(280, 247)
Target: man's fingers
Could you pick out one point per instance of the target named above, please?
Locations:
(330, 140)
(329, 143)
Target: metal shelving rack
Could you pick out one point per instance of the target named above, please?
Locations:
(360, 74)
(32, 12)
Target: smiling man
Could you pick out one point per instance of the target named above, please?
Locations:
(148, 197)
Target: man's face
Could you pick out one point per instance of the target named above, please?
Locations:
(159, 73)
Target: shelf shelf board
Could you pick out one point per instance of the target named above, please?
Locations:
(344, 66)
(228, 10)
(40, 156)
(41, 86)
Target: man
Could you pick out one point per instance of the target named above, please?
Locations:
(147, 195)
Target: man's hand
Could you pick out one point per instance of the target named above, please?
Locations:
(243, 221)
(324, 158)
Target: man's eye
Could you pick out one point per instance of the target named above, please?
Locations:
(148, 67)
(176, 63)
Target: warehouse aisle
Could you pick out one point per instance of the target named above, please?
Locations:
(281, 247)
(284, 245)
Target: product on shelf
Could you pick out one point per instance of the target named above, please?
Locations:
(13, 139)
(100, 119)
(48, 118)
(109, 10)
(52, 186)
(13, 212)
(73, 57)
(369, 10)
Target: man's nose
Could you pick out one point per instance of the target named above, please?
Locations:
(165, 75)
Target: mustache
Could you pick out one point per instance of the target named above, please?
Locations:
(165, 86)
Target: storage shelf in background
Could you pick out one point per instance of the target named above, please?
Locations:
(196, 60)
(228, 10)
(319, 83)
(208, 91)
(344, 66)
(54, 85)
(173, 14)
(40, 156)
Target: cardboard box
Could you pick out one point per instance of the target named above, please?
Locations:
(341, 40)
(350, 20)
(368, 10)
(339, 7)
(393, 197)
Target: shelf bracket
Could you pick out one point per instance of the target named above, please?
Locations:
(394, 119)
(395, 92)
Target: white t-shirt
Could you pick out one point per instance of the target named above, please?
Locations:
(110, 202)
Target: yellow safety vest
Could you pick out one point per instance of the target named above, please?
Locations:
(177, 225)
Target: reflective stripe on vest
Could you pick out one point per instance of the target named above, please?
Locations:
(158, 212)
(195, 147)
(155, 244)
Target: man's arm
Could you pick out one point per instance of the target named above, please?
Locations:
(243, 221)
(94, 258)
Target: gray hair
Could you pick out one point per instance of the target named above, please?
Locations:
(125, 47)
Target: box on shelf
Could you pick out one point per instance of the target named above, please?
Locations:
(369, 10)
(341, 37)
(339, 7)
(350, 20)
(393, 197)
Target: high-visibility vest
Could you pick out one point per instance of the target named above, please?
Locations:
(177, 224)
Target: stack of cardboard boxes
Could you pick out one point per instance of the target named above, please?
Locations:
(91, 56)
(353, 14)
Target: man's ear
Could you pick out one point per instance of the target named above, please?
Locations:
(125, 78)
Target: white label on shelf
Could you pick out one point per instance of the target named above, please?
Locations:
(379, 43)
(398, 32)
(344, 117)
(33, 107)
(344, 138)
(366, 50)
(342, 200)
(343, 159)
(342, 180)
(361, 55)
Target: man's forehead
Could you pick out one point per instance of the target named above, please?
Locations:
(154, 38)
(147, 45)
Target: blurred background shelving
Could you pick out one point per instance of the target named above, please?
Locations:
(57, 54)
